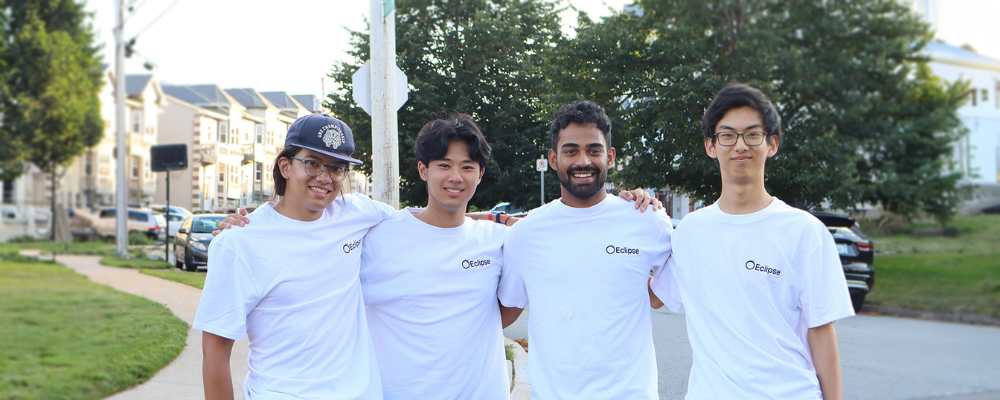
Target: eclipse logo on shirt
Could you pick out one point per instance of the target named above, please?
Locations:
(753, 266)
(621, 250)
(349, 247)
(475, 263)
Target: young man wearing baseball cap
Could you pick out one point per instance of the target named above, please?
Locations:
(289, 282)
(760, 282)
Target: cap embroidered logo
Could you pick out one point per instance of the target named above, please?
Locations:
(332, 136)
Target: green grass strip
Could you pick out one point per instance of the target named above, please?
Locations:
(195, 279)
(65, 337)
(939, 282)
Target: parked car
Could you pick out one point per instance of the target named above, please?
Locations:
(139, 220)
(192, 240)
(509, 209)
(857, 253)
(176, 220)
(160, 208)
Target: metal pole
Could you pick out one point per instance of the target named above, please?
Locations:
(121, 186)
(385, 137)
(543, 187)
(166, 235)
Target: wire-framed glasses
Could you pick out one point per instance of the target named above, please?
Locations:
(314, 169)
(751, 138)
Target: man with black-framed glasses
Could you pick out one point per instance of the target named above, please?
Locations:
(760, 282)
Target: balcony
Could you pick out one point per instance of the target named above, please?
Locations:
(248, 153)
(209, 153)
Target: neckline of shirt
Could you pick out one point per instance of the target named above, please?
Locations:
(585, 211)
(776, 203)
(416, 223)
(268, 209)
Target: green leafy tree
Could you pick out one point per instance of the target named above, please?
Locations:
(864, 120)
(481, 57)
(50, 76)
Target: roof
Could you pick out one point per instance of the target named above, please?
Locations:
(135, 84)
(200, 95)
(249, 98)
(282, 100)
(309, 102)
(946, 53)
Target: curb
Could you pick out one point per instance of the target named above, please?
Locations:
(521, 387)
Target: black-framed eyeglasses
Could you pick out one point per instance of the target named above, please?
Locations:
(729, 138)
(314, 169)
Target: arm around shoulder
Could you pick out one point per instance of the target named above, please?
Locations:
(826, 358)
(509, 314)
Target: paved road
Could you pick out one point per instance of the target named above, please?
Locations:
(882, 358)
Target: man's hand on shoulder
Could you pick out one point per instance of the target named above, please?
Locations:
(233, 219)
(641, 199)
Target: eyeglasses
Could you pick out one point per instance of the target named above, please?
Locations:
(729, 138)
(314, 169)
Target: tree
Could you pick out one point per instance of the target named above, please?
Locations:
(50, 76)
(481, 57)
(864, 120)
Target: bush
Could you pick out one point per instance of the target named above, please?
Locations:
(139, 238)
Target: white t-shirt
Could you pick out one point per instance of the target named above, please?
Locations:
(431, 297)
(292, 287)
(751, 286)
(584, 271)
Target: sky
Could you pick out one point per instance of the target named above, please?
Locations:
(258, 44)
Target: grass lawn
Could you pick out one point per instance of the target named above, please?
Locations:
(196, 279)
(135, 262)
(65, 337)
(939, 282)
(91, 248)
(935, 273)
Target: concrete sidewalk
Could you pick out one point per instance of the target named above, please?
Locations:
(181, 379)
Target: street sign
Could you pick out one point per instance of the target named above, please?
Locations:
(362, 81)
(388, 6)
(541, 165)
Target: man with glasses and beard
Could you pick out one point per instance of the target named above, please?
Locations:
(583, 262)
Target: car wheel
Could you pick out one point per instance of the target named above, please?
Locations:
(177, 262)
(189, 261)
(858, 300)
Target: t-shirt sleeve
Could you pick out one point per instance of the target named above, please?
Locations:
(229, 294)
(383, 210)
(661, 247)
(511, 291)
(824, 297)
(664, 286)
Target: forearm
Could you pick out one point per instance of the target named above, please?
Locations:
(509, 314)
(826, 358)
(654, 301)
(216, 374)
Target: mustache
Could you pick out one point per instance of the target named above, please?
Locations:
(574, 170)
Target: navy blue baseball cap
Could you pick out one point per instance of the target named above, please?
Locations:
(323, 134)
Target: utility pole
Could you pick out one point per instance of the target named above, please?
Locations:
(121, 185)
(385, 137)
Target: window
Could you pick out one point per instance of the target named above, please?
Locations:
(270, 138)
(8, 192)
(223, 132)
(234, 175)
(147, 171)
(986, 95)
(258, 171)
(107, 213)
(222, 173)
(137, 122)
(138, 216)
(259, 133)
(973, 97)
(136, 163)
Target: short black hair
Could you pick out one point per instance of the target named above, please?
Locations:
(435, 137)
(581, 112)
(740, 95)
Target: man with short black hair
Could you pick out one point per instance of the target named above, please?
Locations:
(760, 282)
(583, 262)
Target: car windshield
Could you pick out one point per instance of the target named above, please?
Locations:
(205, 224)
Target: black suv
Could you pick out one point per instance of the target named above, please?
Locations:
(857, 252)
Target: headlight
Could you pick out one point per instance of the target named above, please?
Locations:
(199, 246)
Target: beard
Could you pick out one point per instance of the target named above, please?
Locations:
(583, 191)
